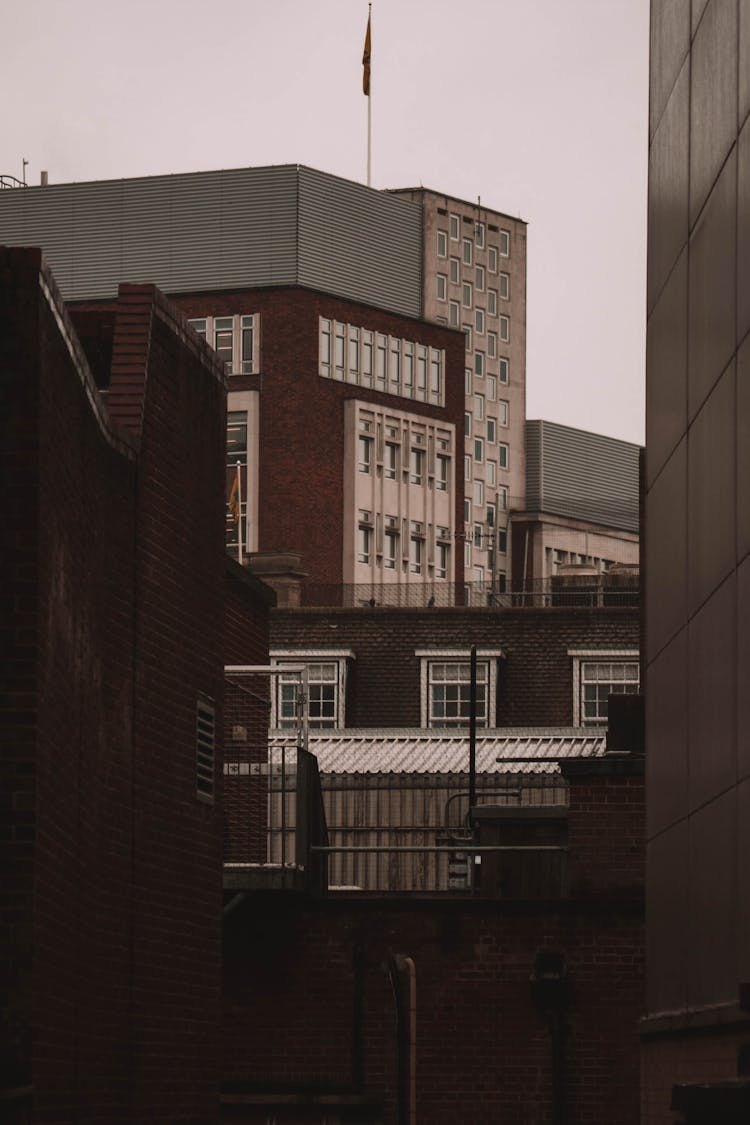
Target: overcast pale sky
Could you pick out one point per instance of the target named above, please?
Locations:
(539, 106)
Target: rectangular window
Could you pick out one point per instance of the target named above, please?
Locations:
(323, 696)
(454, 313)
(449, 693)
(468, 380)
(490, 515)
(503, 370)
(339, 351)
(479, 450)
(353, 355)
(454, 270)
(236, 437)
(391, 545)
(505, 329)
(479, 279)
(442, 560)
(395, 366)
(390, 463)
(381, 362)
(491, 387)
(442, 287)
(364, 542)
(478, 536)
(502, 498)
(492, 302)
(479, 493)
(367, 359)
(502, 541)
(454, 225)
(200, 326)
(479, 229)
(504, 243)
(466, 295)
(468, 336)
(504, 282)
(492, 344)
(468, 251)
(443, 474)
(467, 554)
(490, 469)
(478, 407)
(205, 749)
(467, 424)
(416, 551)
(491, 432)
(467, 466)
(492, 259)
(365, 454)
(503, 456)
(599, 680)
(421, 374)
(479, 577)
(224, 341)
(417, 466)
(436, 377)
(247, 344)
(442, 244)
(479, 321)
(479, 363)
(467, 511)
(502, 407)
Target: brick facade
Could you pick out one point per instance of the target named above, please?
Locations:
(116, 587)
(535, 679)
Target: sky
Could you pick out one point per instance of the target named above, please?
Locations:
(538, 106)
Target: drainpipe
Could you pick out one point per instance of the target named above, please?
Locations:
(406, 1037)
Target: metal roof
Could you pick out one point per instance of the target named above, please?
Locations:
(445, 751)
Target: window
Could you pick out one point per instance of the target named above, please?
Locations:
(442, 287)
(479, 407)
(466, 295)
(416, 548)
(442, 560)
(505, 329)
(417, 466)
(502, 541)
(492, 302)
(502, 497)
(454, 313)
(326, 681)
(504, 243)
(364, 358)
(442, 244)
(454, 225)
(467, 424)
(490, 515)
(468, 251)
(364, 538)
(491, 387)
(467, 511)
(479, 321)
(479, 363)
(492, 344)
(454, 269)
(395, 366)
(234, 339)
(503, 455)
(503, 370)
(490, 469)
(446, 687)
(468, 381)
(478, 536)
(502, 407)
(479, 278)
(467, 466)
(353, 354)
(504, 281)
(390, 544)
(468, 336)
(491, 433)
(390, 464)
(479, 229)
(596, 676)
(443, 474)
(492, 259)
(479, 493)
(479, 577)
(205, 749)
(236, 437)
(478, 449)
(467, 554)
(365, 454)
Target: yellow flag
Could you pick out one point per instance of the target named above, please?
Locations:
(234, 499)
(366, 62)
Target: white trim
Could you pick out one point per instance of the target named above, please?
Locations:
(489, 657)
(578, 656)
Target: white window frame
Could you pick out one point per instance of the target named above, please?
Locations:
(467, 252)
(454, 271)
(504, 329)
(492, 255)
(279, 658)
(503, 374)
(504, 243)
(442, 244)
(504, 286)
(240, 364)
(486, 657)
(598, 656)
(442, 287)
(454, 226)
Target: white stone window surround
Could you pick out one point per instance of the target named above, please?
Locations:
(245, 330)
(395, 366)
(595, 656)
(487, 656)
(296, 656)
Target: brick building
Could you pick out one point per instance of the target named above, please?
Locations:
(114, 683)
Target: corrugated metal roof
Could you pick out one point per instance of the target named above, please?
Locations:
(442, 751)
(581, 475)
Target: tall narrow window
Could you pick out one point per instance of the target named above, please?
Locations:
(365, 454)
(247, 344)
(442, 244)
(224, 341)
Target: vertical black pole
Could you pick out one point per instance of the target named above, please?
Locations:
(473, 729)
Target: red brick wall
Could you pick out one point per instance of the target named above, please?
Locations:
(535, 680)
(606, 830)
(302, 415)
(118, 587)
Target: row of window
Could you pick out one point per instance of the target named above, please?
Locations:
(490, 385)
(393, 543)
(467, 287)
(446, 688)
(478, 456)
(469, 245)
(233, 338)
(412, 463)
(385, 363)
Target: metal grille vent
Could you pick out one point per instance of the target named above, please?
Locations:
(205, 748)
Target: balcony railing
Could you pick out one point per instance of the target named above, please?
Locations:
(581, 591)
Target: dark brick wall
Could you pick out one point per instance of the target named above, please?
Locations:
(535, 679)
(301, 496)
(116, 608)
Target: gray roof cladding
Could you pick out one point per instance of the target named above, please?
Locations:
(233, 229)
(446, 751)
(581, 475)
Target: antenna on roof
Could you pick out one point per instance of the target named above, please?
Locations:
(25, 164)
(477, 224)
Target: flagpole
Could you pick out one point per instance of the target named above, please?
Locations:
(239, 515)
(369, 103)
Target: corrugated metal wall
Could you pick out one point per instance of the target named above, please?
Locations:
(587, 476)
(242, 228)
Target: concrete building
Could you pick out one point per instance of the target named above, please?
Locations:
(696, 1031)
(375, 274)
(582, 506)
(475, 279)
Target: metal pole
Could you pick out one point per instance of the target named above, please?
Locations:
(369, 101)
(473, 729)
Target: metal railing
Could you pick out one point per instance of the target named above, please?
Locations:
(538, 594)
